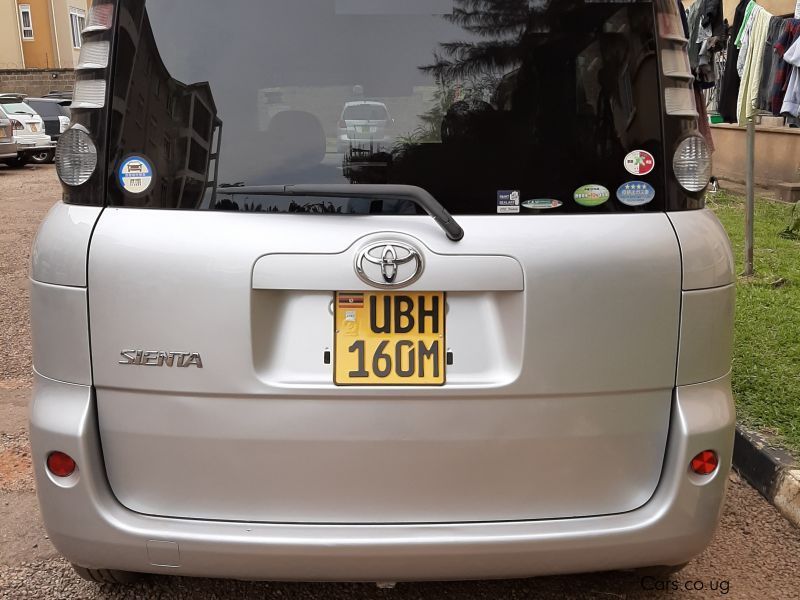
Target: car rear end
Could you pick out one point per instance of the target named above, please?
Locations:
(28, 126)
(8, 149)
(258, 358)
(55, 117)
(365, 125)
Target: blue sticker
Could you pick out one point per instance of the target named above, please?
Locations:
(636, 193)
(136, 175)
(508, 201)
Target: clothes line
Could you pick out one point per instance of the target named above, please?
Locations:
(762, 69)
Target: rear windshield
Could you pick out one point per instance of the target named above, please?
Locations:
(365, 112)
(493, 106)
(47, 109)
(18, 108)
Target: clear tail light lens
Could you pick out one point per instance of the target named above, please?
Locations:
(101, 17)
(692, 164)
(94, 55)
(679, 101)
(675, 63)
(89, 93)
(76, 156)
(18, 126)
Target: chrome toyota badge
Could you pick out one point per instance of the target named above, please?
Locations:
(389, 264)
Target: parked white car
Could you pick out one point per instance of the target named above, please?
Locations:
(28, 128)
(365, 125)
(8, 149)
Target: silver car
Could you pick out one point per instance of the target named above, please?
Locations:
(28, 127)
(8, 148)
(499, 349)
(364, 125)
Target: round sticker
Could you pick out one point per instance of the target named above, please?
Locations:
(639, 162)
(592, 195)
(636, 193)
(136, 175)
(541, 204)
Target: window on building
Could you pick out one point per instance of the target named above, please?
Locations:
(26, 22)
(77, 19)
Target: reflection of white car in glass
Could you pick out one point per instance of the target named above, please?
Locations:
(365, 125)
(28, 128)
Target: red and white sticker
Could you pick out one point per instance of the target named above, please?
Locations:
(639, 162)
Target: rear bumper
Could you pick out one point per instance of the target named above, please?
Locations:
(8, 150)
(30, 144)
(90, 528)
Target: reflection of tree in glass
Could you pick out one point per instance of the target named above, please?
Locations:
(504, 25)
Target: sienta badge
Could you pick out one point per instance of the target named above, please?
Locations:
(639, 162)
(136, 175)
(636, 193)
(591, 195)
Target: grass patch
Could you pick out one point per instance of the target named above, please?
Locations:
(766, 356)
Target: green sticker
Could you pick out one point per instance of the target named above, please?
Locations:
(592, 195)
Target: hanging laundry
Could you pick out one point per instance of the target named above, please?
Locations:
(783, 70)
(791, 102)
(751, 73)
(744, 36)
(704, 19)
(729, 89)
(777, 25)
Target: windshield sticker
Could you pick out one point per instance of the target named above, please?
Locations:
(592, 195)
(507, 202)
(639, 162)
(636, 193)
(542, 204)
(136, 175)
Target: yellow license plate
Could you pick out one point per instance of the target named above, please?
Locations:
(389, 338)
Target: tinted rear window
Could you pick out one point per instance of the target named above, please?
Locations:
(365, 112)
(46, 109)
(490, 101)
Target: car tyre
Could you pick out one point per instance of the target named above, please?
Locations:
(107, 576)
(44, 157)
(17, 163)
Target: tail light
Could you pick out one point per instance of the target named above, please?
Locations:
(82, 146)
(18, 126)
(101, 18)
(76, 156)
(94, 55)
(61, 464)
(705, 463)
(692, 164)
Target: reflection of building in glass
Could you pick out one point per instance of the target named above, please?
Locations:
(173, 124)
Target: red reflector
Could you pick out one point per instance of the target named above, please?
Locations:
(60, 464)
(705, 463)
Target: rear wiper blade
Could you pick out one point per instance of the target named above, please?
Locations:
(416, 194)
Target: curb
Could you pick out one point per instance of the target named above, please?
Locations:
(769, 469)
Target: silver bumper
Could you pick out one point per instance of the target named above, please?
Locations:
(8, 150)
(90, 528)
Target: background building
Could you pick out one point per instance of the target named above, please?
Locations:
(41, 34)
